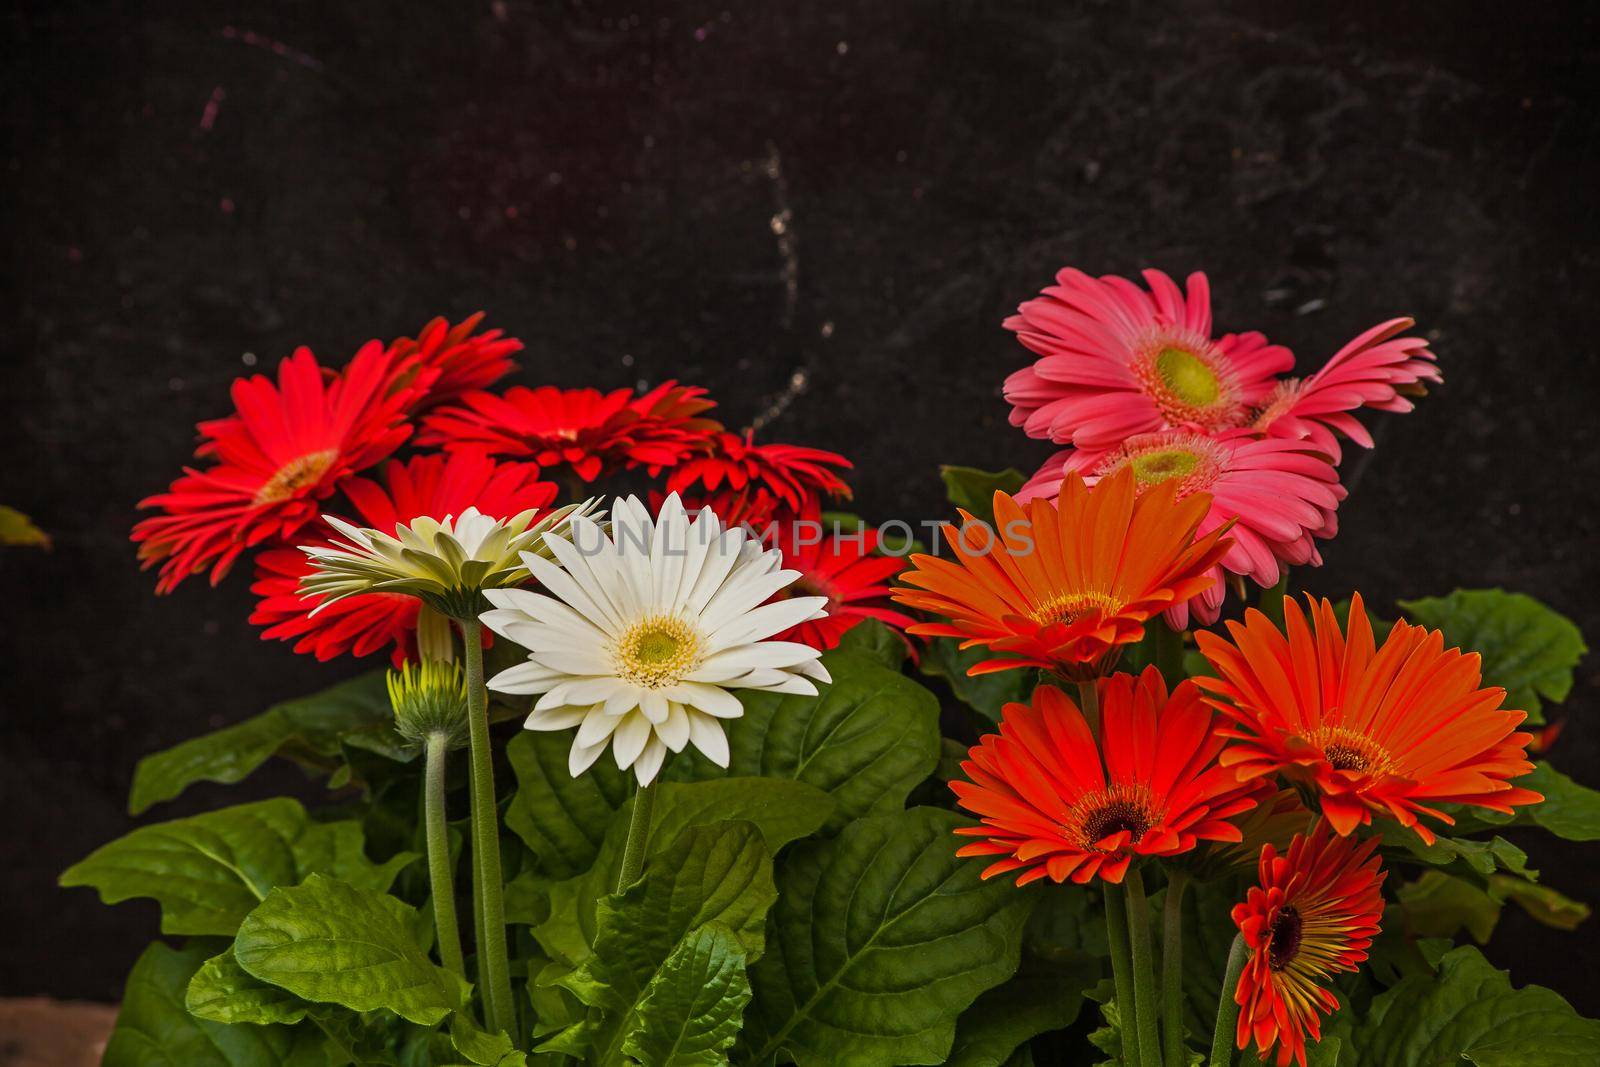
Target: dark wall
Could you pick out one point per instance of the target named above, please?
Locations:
(186, 196)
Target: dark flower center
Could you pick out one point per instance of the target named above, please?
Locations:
(1286, 932)
(1114, 817)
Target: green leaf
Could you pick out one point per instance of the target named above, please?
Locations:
(1527, 648)
(17, 530)
(309, 729)
(987, 694)
(1569, 810)
(867, 739)
(335, 943)
(881, 937)
(782, 810)
(481, 1047)
(872, 640)
(210, 870)
(155, 1030)
(690, 1013)
(974, 489)
(1458, 855)
(562, 819)
(1548, 906)
(224, 992)
(1039, 998)
(1437, 905)
(1469, 1011)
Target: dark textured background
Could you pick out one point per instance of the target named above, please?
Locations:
(597, 176)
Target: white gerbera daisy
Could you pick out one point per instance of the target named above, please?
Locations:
(637, 637)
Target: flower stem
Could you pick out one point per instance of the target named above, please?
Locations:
(494, 972)
(1116, 906)
(440, 876)
(1177, 1055)
(1144, 971)
(644, 802)
(1089, 704)
(1222, 1037)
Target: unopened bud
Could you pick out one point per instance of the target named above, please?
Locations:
(430, 700)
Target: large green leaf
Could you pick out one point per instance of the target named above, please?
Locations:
(986, 693)
(690, 1013)
(1469, 1011)
(310, 729)
(719, 873)
(210, 870)
(224, 992)
(562, 819)
(974, 489)
(881, 937)
(335, 943)
(1527, 648)
(868, 738)
(155, 1030)
(873, 640)
(1040, 997)
(1569, 810)
(781, 809)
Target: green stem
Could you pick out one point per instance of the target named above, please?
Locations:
(644, 802)
(1222, 1037)
(1089, 704)
(494, 972)
(1177, 1054)
(1116, 906)
(441, 878)
(1144, 971)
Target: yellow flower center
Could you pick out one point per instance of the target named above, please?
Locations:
(1070, 607)
(658, 651)
(1347, 750)
(1163, 464)
(295, 476)
(1098, 815)
(1188, 376)
(1191, 460)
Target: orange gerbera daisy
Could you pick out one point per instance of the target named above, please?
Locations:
(1062, 584)
(1313, 915)
(1394, 730)
(1055, 804)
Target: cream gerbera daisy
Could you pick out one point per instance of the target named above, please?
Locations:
(637, 637)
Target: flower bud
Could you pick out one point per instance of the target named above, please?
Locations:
(430, 700)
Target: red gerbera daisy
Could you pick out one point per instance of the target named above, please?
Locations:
(847, 570)
(1056, 804)
(1393, 730)
(1279, 496)
(1376, 370)
(1314, 914)
(462, 358)
(433, 485)
(584, 429)
(760, 483)
(292, 446)
(1116, 360)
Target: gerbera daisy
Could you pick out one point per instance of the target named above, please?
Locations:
(292, 445)
(1055, 804)
(1376, 370)
(367, 622)
(1062, 584)
(462, 358)
(760, 483)
(1314, 914)
(584, 429)
(637, 637)
(1392, 731)
(1116, 360)
(1279, 497)
(847, 571)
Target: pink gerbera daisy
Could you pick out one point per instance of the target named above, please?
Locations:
(1279, 495)
(289, 446)
(1376, 370)
(1116, 360)
(433, 485)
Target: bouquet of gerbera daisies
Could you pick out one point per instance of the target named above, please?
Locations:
(705, 760)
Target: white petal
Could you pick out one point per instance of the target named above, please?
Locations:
(597, 727)
(649, 761)
(633, 731)
(707, 735)
(767, 620)
(654, 706)
(559, 719)
(674, 733)
(708, 698)
(581, 757)
(523, 679)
